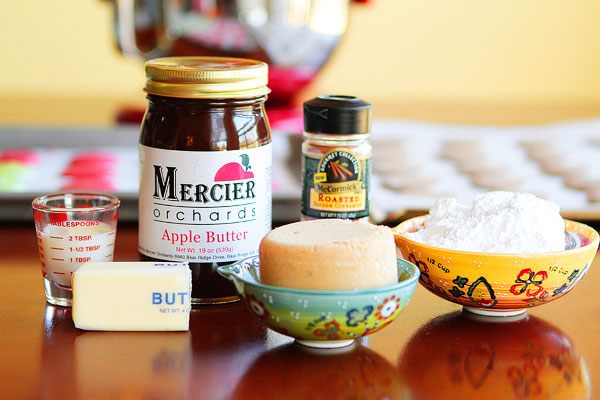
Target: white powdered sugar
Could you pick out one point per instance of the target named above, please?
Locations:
(496, 222)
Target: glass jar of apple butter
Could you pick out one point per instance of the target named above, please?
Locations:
(205, 167)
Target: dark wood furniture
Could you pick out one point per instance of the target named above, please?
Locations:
(429, 351)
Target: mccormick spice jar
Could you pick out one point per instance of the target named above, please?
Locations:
(336, 158)
(205, 167)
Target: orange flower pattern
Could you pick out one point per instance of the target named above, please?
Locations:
(387, 308)
(424, 277)
(530, 283)
(329, 330)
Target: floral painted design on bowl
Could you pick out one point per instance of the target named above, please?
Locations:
(500, 284)
(320, 318)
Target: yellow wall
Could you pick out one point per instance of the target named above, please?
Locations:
(396, 51)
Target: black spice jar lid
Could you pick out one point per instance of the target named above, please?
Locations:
(338, 115)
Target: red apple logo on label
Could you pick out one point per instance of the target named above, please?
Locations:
(235, 171)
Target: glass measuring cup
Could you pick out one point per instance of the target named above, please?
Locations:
(72, 228)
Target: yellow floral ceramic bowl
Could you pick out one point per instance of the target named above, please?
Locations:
(320, 318)
(500, 284)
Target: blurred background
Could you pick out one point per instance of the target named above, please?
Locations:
(469, 95)
(473, 61)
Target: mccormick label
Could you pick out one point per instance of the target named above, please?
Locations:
(204, 206)
(336, 185)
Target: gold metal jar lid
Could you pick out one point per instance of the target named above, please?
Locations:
(206, 77)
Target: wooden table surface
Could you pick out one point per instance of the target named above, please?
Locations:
(430, 351)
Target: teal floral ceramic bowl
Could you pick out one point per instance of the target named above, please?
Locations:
(319, 318)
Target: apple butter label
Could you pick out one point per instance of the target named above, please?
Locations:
(336, 185)
(204, 206)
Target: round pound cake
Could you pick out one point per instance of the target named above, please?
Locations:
(329, 254)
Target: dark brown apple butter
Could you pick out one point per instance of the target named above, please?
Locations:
(205, 167)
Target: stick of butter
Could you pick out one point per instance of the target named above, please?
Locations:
(132, 296)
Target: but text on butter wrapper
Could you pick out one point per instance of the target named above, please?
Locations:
(132, 296)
